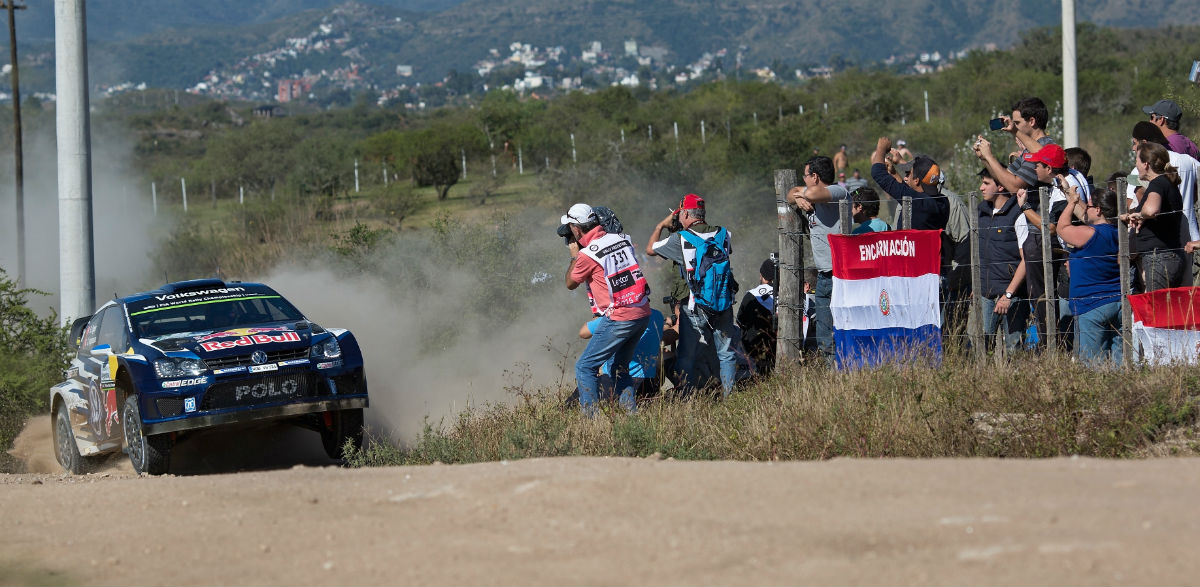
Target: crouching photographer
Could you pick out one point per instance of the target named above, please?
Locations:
(606, 264)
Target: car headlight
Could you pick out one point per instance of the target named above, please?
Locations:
(173, 367)
(327, 349)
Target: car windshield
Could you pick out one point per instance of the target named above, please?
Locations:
(213, 315)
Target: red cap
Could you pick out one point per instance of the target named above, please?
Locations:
(1052, 155)
(691, 202)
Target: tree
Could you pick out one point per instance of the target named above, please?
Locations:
(437, 167)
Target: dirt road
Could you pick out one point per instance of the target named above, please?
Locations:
(613, 521)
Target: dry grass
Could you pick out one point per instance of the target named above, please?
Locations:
(1032, 407)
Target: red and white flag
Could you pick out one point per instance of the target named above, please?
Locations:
(1166, 323)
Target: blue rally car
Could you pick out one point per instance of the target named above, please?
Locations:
(197, 354)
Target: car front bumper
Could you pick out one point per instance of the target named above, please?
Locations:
(270, 412)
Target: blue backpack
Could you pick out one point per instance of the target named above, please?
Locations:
(712, 281)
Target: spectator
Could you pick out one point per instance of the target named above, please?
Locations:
(930, 212)
(1165, 114)
(1001, 263)
(1161, 229)
(1080, 160)
(842, 180)
(840, 161)
(855, 181)
(643, 367)
(1095, 276)
(1187, 168)
(756, 319)
(1050, 169)
(902, 151)
(818, 199)
(696, 321)
(1028, 127)
(865, 208)
(607, 265)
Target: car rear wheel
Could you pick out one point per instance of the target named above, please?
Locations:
(148, 454)
(343, 425)
(65, 449)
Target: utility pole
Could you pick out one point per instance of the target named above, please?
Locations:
(76, 258)
(19, 164)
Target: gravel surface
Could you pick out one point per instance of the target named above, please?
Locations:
(573, 521)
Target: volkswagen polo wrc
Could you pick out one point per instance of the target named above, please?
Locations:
(199, 354)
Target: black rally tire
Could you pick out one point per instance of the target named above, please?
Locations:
(148, 454)
(347, 424)
(65, 449)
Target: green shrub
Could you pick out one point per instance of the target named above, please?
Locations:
(33, 353)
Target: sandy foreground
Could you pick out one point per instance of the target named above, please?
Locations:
(596, 521)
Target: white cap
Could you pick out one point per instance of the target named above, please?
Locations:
(578, 214)
(901, 142)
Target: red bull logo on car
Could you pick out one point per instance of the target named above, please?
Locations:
(237, 332)
(250, 341)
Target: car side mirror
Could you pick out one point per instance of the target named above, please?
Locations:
(73, 339)
(101, 350)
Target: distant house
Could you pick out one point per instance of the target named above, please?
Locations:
(268, 111)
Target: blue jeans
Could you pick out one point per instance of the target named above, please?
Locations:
(717, 330)
(1098, 335)
(1010, 325)
(823, 316)
(615, 339)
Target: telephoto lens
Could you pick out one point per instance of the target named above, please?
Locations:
(565, 232)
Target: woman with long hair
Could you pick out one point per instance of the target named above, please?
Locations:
(1158, 221)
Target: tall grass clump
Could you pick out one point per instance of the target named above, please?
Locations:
(1031, 406)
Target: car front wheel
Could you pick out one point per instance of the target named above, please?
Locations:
(149, 454)
(344, 425)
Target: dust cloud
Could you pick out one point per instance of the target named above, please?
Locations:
(34, 449)
(409, 382)
(125, 229)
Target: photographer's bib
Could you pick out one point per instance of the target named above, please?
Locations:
(627, 287)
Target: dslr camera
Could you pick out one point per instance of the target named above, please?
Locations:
(564, 231)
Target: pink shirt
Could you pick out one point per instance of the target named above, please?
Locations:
(587, 271)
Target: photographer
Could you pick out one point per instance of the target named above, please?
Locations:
(1028, 127)
(607, 265)
(703, 253)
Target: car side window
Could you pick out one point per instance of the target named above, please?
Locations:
(112, 330)
(90, 335)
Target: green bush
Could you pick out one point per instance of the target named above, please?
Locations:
(33, 353)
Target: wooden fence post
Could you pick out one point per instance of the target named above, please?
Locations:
(1126, 286)
(975, 327)
(1051, 290)
(789, 298)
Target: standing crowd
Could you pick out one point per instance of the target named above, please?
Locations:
(710, 344)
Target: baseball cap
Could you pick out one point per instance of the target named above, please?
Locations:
(1052, 155)
(691, 202)
(1165, 108)
(578, 214)
(927, 169)
(901, 142)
